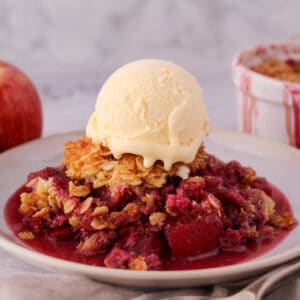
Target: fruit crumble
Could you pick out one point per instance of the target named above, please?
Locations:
(140, 192)
(288, 70)
(117, 213)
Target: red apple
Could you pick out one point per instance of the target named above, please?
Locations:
(20, 108)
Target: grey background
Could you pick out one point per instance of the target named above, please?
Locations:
(69, 47)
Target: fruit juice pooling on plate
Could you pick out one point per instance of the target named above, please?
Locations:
(140, 192)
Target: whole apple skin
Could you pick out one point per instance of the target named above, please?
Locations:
(21, 117)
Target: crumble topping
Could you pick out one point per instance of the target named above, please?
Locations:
(138, 264)
(157, 217)
(26, 235)
(288, 70)
(284, 220)
(95, 163)
(78, 191)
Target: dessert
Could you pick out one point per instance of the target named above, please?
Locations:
(288, 70)
(140, 192)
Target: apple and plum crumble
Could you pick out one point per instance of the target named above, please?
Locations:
(288, 70)
(117, 213)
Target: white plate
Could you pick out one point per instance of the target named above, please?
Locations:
(278, 162)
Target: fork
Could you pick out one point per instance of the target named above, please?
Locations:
(254, 291)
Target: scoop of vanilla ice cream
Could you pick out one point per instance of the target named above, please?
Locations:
(152, 108)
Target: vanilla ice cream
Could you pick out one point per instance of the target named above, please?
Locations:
(151, 108)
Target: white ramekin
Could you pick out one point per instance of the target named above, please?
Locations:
(267, 107)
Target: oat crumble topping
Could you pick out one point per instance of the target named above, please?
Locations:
(95, 163)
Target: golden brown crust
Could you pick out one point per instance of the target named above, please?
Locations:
(282, 220)
(276, 68)
(95, 163)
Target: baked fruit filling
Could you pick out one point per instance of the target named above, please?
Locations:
(288, 70)
(136, 217)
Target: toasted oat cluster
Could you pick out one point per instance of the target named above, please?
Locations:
(136, 217)
(95, 163)
(284, 70)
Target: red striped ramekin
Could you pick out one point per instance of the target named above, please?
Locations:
(268, 107)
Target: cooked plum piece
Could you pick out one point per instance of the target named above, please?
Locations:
(193, 237)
